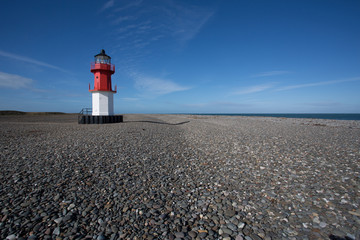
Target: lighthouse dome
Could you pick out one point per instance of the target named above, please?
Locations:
(102, 57)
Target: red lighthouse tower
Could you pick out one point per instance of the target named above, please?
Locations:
(102, 94)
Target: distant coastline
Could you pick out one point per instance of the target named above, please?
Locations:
(330, 116)
(12, 112)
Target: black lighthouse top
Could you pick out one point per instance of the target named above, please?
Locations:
(102, 57)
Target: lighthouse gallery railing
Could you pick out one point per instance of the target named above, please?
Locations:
(84, 112)
(103, 66)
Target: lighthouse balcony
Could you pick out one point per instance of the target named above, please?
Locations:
(102, 66)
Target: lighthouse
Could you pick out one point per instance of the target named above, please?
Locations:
(102, 110)
(102, 94)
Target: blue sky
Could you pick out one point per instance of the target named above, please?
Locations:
(204, 56)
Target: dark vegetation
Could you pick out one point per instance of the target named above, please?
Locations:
(11, 112)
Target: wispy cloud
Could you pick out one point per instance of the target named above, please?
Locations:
(156, 86)
(123, 19)
(133, 3)
(14, 81)
(271, 73)
(129, 99)
(254, 89)
(315, 84)
(107, 5)
(225, 107)
(30, 60)
(323, 104)
(187, 20)
(139, 25)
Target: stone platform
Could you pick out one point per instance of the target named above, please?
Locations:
(89, 119)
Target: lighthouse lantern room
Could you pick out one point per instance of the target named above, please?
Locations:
(102, 94)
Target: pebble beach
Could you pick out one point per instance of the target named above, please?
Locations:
(179, 177)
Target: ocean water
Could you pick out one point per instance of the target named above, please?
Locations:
(335, 116)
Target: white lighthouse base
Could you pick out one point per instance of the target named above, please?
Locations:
(102, 103)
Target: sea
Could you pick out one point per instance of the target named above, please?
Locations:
(334, 116)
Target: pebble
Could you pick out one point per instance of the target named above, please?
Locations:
(67, 217)
(232, 227)
(58, 220)
(71, 206)
(229, 213)
(241, 225)
(203, 235)
(316, 220)
(322, 224)
(209, 177)
(227, 231)
(56, 231)
(11, 237)
(192, 234)
(101, 237)
(179, 235)
(239, 237)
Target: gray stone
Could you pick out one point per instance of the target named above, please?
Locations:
(58, 220)
(232, 227)
(229, 213)
(239, 237)
(11, 237)
(100, 237)
(202, 235)
(179, 235)
(56, 231)
(322, 224)
(192, 234)
(227, 231)
(241, 225)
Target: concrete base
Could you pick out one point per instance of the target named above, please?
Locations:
(88, 119)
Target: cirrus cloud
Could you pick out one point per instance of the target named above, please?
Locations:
(156, 86)
(30, 60)
(270, 73)
(254, 89)
(14, 81)
(315, 84)
(140, 25)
